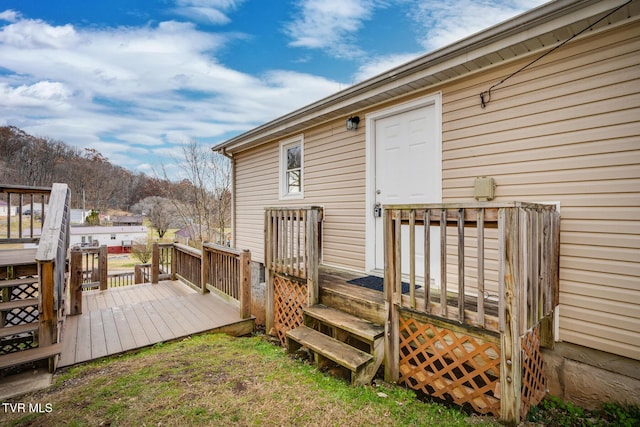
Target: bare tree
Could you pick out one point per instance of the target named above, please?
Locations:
(160, 212)
(142, 251)
(203, 198)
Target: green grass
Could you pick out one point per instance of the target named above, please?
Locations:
(554, 412)
(220, 380)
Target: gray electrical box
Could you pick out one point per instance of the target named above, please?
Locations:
(484, 189)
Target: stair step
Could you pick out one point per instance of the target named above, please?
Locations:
(341, 353)
(7, 331)
(31, 355)
(19, 303)
(17, 282)
(358, 327)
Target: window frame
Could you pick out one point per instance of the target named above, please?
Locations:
(283, 170)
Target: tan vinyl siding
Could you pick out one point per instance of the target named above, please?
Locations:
(334, 177)
(566, 130)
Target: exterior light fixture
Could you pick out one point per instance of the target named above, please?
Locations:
(352, 123)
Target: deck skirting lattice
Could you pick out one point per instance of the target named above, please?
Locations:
(534, 383)
(290, 298)
(19, 316)
(449, 364)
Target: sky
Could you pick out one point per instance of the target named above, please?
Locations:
(136, 79)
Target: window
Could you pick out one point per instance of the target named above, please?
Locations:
(113, 237)
(291, 170)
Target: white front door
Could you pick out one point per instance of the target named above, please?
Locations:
(408, 169)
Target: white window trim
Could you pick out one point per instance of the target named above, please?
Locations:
(284, 195)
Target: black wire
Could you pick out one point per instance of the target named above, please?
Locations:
(484, 102)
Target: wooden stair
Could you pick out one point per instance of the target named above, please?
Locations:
(349, 341)
(28, 356)
(19, 332)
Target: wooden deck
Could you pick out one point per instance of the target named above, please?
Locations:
(131, 317)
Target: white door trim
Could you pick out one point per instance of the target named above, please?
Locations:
(370, 142)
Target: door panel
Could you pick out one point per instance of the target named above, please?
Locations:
(408, 170)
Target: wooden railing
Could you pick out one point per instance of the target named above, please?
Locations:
(142, 273)
(118, 280)
(496, 277)
(186, 264)
(93, 263)
(24, 225)
(212, 268)
(489, 246)
(227, 272)
(292, 257)
(51, 258)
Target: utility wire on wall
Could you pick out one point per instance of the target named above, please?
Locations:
(485, 97)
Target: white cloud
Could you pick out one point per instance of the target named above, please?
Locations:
(129, 92)
(207, 11)
(9, 15)
(330, 25)
(35, 34)
(444, 22)
(46, 95)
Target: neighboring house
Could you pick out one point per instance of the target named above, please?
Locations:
(183, 236)
(117, 239)
(126, 220)
(562, 127)
(79, 216)
(4, 209)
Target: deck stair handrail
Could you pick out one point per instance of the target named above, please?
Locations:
(506, 249)
(293, 237)
(51, 258)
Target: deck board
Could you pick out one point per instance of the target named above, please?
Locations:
(11, 257)
(139, 334)
(129, 317)
(124, 331)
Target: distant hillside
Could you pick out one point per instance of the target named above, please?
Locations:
(40, 161)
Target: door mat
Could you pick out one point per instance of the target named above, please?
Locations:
(376, 283)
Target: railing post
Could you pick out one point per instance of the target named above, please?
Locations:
(205, 265)
(510, 342)
(75, 282)
(269, 235)
(47, 320)
(102, 267)
(391, 265)
(155, 262)
(137, 274)
(244, 264)
(313, 256)
(174, 261)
